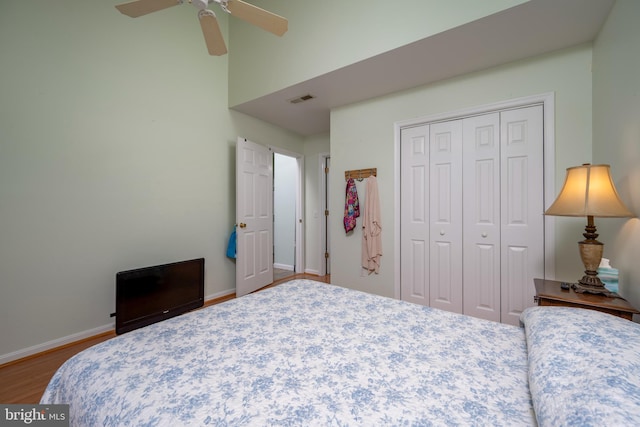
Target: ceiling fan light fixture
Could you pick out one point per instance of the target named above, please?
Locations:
(254, 15)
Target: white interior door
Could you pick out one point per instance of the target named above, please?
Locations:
(481, 181)
(522, 235)
(414, 215)
(254, 216)
(445, 223)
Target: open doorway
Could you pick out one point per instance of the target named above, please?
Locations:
(287, 214)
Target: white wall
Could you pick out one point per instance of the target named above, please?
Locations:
(362, 136)
(117, 150)
(285, 189)
(616, 136)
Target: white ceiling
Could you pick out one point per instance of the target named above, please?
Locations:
(530, 29)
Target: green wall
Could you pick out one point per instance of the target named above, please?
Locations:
(362, 136)
(616, 136)
(117, 151)
(327, 35)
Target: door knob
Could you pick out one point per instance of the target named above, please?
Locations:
(484, 234)
(243, 225)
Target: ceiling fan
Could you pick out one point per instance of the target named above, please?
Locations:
(210, 29)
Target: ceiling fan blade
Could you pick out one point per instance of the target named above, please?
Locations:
(266, 20)
(138, 8)
(212, 34)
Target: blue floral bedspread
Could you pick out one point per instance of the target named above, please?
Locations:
(584, 367)
(302, 354)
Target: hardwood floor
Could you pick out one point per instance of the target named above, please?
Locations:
(279, 274)
(24, 380)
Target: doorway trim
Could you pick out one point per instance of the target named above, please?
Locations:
(325, 238)
(299, 253)
(547, 100)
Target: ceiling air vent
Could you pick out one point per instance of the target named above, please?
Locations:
(301, 99)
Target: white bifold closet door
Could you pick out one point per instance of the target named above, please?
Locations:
(414, 215)
(482, 201)
(521, 209)
(445, 222)
(472, 230)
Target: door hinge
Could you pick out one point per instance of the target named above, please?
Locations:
(326, 169)
(326, 255)
(326, 212)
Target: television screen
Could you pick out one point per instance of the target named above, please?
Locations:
(151, 294)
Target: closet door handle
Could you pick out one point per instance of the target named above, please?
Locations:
(442, 232)
(484, 234)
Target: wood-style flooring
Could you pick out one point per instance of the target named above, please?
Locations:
(280, 274)
(24, 380)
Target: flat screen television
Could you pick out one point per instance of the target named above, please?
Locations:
(151, 294)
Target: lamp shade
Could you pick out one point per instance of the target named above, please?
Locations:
(589, 191)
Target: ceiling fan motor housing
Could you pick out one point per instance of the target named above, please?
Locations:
(200, 4)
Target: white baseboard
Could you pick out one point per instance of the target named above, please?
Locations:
(283, 266)
(219, 294)
(310, 271)
(39, 348)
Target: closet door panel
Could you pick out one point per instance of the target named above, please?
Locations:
(445, 206)
(517, 272)
(522, 236)
(414, 217)
(481, 216)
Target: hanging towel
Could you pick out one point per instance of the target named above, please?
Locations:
(231, 246)
(371, 228)
(351, 206)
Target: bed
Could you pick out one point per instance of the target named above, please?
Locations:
(306, 353)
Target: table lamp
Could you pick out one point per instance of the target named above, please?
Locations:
(588, 190)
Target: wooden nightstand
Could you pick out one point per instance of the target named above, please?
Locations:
(548, 292)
